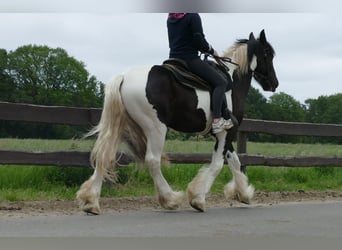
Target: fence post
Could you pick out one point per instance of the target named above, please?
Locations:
(242, 147)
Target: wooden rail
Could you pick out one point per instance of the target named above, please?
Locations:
(288, 128)
(91, 116)
(49, 114)
(81, 159)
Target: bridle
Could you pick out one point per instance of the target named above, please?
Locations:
(260, 76)
(222, 60)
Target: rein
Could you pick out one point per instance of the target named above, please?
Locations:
(221, 60)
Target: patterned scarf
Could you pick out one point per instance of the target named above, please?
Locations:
(176, 15)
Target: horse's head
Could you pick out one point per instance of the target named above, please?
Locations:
(261, 54)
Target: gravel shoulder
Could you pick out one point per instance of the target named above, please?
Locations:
(110, 205)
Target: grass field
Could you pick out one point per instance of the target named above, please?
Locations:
(48, 182)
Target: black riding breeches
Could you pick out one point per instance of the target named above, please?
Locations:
(217, 82)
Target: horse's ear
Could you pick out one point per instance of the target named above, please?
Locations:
(251, 36)
(262, 36)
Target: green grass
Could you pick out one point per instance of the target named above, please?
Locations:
(45, 145)
(43, 182)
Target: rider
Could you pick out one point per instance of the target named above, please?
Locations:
(186, 39)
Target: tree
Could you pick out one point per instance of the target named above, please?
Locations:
(49, 76)
(325, 109)
(256, 104)
(7, 87)
(283, 107)
(42, 75)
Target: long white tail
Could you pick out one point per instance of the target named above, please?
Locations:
(115, 126)
(109, 130)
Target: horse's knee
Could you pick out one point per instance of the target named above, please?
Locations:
(152, 161)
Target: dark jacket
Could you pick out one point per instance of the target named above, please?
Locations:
(186, 36)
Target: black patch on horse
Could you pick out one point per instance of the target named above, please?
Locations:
(176, 104)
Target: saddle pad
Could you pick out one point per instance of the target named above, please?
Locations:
(181, 73)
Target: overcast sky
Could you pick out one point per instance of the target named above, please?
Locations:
(308, 45)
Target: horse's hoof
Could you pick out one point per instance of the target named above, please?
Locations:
(246, 201)
(171, 206)
(92, 210)
(197, 206)
(172, 200)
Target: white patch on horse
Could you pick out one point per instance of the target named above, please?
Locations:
(135, 103)
(204, 104)
(253, 63)
(229, 100)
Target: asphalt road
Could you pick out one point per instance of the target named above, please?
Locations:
(295, 220)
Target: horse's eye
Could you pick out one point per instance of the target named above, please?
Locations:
(266, 52)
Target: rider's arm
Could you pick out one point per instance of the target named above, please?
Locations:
(198, 36)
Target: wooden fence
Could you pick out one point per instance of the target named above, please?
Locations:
(91, 116)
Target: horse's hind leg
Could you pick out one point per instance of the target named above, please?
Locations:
(89, 193)
(167, 198)
(238, 187)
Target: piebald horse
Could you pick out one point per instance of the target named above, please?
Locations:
(141, 104)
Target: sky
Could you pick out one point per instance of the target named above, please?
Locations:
(109, 39)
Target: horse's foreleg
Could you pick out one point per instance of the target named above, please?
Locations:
(201, 184)
(89, 193)
(167, 198)
(238, 187)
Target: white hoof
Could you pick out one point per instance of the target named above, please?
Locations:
(171, 201)
(195, 200)
(88, 200)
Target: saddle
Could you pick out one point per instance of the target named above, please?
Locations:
(181, 72)
(183, 75)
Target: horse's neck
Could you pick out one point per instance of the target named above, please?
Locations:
(241, 80)
(241, 86)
